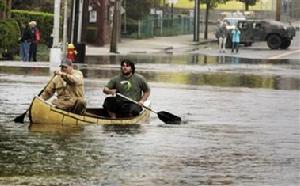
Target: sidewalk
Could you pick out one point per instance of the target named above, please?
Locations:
(148, 46)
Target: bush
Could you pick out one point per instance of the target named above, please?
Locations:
(44, 21)
(9, 35)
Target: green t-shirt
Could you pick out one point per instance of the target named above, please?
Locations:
(132, 87)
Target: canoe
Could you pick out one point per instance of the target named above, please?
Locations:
(42, 112)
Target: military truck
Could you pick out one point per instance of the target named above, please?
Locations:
(277, 34)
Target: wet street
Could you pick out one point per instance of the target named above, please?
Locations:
(241, 126)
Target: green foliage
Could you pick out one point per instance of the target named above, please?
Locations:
(248, 3)
(137, 9)
(2, 6)
(44, 21)
(9, 34)
(34, 5)
(212, 3)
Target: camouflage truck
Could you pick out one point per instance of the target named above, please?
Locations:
(277, 34)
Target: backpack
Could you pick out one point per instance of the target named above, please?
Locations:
(37, 35)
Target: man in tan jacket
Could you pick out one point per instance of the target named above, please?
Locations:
(68, 86)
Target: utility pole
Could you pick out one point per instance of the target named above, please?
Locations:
(56, 24)
(125, 17)
(55, 52)
(65, 26)
(73, 21)
(196, 20)
(115, 29)
(172, 2)
(79, 33)
(206, 18)
(278, 8)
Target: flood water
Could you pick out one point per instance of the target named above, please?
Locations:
(241, 127)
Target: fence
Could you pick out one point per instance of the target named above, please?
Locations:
(157, 26)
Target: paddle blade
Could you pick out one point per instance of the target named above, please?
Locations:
(20, 119)
(169, 118)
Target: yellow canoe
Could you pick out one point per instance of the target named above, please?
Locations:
(42, 112)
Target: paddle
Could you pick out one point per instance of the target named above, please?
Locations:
(166, 117)
(20, 119)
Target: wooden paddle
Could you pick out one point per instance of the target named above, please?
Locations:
(20, 119)
(166, 117)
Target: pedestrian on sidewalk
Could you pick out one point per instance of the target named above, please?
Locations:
(235, 38)
(25, 41)
(221, 34)
(36, 38)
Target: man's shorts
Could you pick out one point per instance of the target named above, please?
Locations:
(121, 106)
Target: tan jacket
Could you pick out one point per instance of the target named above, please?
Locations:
(69, 89)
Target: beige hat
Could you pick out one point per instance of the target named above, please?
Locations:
(32, 23)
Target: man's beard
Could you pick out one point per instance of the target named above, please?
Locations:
(126, 73)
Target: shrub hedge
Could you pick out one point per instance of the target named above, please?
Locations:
(9, 34)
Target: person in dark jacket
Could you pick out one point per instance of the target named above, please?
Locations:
(26, 39)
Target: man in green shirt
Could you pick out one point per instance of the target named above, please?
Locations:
(130, 85)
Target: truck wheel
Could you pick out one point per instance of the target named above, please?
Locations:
(285, 43)
(274, 41)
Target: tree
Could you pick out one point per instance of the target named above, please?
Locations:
(36, 5)
(248, 3)
(210, 4)
(137, 9)
(2, 9)
(2, 5)
(5, 6)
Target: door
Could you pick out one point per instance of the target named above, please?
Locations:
(246, 31)
(258, 30)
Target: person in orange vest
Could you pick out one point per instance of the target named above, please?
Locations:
(71, 52)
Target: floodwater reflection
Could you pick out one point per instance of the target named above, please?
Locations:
(123, 129)
(196, 70)
(55, 128)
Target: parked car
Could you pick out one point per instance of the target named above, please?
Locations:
(275, 33)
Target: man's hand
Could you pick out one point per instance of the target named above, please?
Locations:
(107, 90)
(113, 92)
(141, 102)
(58, 72)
